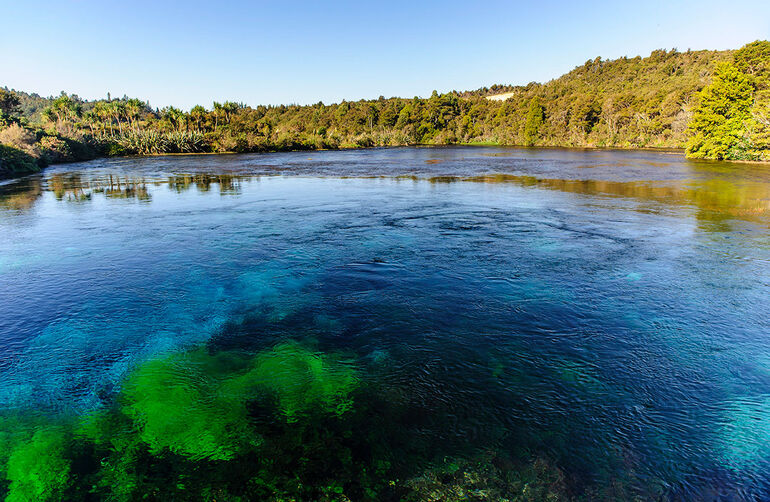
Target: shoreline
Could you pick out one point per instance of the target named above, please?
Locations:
(661, 150)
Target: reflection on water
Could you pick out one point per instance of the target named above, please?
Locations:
(715, 198)
(719, 191)
(227, 184)
(21, 195)
(398, 324)
(74, 187)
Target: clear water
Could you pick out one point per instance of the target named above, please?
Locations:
(601, 316)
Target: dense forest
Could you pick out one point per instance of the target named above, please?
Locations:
(716, 104)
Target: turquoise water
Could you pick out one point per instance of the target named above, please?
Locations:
(388, 324)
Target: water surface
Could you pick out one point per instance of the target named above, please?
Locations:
(387, 324)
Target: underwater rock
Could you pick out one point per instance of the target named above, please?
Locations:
(379, 356)
(488, 479)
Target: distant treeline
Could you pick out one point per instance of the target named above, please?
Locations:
(716, 104)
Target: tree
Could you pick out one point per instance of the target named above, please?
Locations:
(535, 119)
(103, 114)
(133, 109)
(719, 125)
(92, 120)
(63, 111)
(197, 113)
(624, 102)
(754, 59)
(230, 108)
(9, 103)
(586, 112)
(217, 111)
(389, 115)
(174, 117)
(372, 113)
(117, 109)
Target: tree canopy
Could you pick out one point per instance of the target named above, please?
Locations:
(731, 119)
(716, 104)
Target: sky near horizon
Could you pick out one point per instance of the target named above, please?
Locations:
(270, 52)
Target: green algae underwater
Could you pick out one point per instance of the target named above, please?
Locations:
(285, 417)
(185, 412)
(283, 424)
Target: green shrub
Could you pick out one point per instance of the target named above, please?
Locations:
(114, 149)
(18, 137)
(14, 162)
(55, 150)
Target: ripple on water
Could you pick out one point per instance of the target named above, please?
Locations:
(513, 320)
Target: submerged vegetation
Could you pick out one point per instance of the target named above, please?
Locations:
(714, 103)
(37, 468)
(279, 425)
(191, 409)
(177, 404)
(290, 422)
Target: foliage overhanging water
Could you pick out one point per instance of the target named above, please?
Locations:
(416, 323)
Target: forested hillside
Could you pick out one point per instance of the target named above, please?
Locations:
(714, 103)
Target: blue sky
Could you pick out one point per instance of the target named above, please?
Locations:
(184, 53)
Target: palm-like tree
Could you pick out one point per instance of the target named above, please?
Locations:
(92, 120)
(63, 110)
(174, 116)
(217, 111)
(197, 114)
(117, 110)
(230, 109)
(133, 109)
(103, 114)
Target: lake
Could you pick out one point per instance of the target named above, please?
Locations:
(460, 323)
